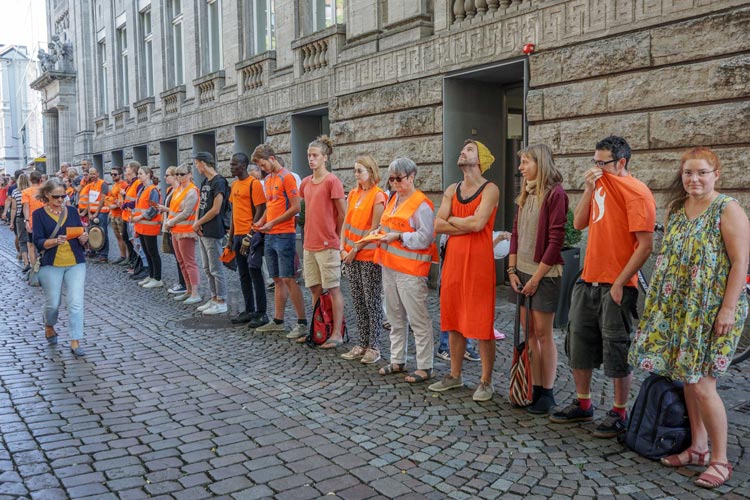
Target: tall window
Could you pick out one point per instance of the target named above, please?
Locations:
(262, 26)
(147, 54)
(325, 13)
(213, 50)
(101, 50)
(122, 76)
(177, 75)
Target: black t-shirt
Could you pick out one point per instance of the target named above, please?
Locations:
(216, 227)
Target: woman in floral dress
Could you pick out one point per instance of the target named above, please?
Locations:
(696, 307)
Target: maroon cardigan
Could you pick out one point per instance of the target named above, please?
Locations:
(551, 228)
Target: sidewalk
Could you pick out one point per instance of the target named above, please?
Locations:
(168, 404)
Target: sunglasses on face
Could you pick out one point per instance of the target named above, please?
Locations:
(397, 178)
(57, 196)
(179, 174)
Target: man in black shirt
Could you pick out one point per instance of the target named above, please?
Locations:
(211, 228)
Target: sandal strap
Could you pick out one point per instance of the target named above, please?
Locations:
(715, 480)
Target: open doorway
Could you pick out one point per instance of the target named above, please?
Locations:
(167, 158)
(306, 126)
(98, 160)
(205, 141)
(487, 104)
(117, 158)
(247, 137)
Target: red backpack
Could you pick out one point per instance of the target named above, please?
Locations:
(321, 327)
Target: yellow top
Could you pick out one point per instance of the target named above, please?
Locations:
(64, 256)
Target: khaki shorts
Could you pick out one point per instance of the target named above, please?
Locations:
(116, 224)
(600, 330)
(322, 268)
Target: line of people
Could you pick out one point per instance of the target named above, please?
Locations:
(386, 242)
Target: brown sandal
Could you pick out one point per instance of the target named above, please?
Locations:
(693, 458)
(709, 480)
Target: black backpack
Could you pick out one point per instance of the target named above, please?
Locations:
(658, 424)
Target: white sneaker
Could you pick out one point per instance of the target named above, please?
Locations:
(145, 280)
(182, 296)
(217, 308)
(271, 326)
(193, 300)
(153, 284)
(206, 305)
(297, 332)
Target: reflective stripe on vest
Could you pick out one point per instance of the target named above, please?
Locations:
(130, 195)
(175, 204)
(358, 222)
(95, 196)
(151, 227)
(395, 255)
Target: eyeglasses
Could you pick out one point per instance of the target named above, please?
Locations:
(178, 174)
(58, 196)
(701, 173)
(397, 178)
(600, 163)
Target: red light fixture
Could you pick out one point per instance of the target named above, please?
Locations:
(529, 48)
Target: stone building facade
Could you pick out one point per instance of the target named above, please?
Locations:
(157, 80)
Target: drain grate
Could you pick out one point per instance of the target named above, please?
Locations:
(205, 323)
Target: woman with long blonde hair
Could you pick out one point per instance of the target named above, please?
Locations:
(535, 264)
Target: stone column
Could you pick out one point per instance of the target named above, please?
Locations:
(66, 137)
(51, 141)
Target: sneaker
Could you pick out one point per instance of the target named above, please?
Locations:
(572, 413)
(206, 305)
(371, 356)
(447, 383)
(356, 353)
(444, 355)
(298, 331)
(271, 326)
(177, 289)
(182, 296)
(192, 300)
(271, 286)
(542, 406)
(217, 308)
(243, 317)
(26, 268)
(258, 321)
(154, 284)
(471, 355)
(612, 425)
(144, 280)
(484, 392)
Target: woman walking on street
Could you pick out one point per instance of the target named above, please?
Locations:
(696, 306)
(59, 236)
(363, 211)
(535, 264)
(183, 209)
(147, 223)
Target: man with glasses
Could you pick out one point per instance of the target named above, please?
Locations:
(115, 200)
(96, 191)
(620, 213)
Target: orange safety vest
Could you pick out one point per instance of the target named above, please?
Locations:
(130, 195)
(395, 255)
(145, 227)
(115, 197)
(94, 194)
(358, 222)
(175, 207)
(83, 198)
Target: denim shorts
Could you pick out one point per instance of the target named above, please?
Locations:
(280, 250)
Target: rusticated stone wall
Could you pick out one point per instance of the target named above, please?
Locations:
(665, 89)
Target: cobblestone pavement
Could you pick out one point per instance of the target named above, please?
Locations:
(171, 405)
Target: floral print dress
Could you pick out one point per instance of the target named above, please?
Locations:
(676, 336)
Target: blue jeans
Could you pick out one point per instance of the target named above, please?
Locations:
(471, 344)
(52, 280)
(280, 251)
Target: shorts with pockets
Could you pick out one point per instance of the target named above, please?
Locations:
(322, 268)
(600, 331)
(279, 252)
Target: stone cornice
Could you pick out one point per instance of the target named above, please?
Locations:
(49, 76)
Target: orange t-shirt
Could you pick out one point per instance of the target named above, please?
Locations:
(28, 197)
(620, 207)
(280, 189)
(242, 210)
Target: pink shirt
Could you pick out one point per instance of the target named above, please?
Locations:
(321, 213)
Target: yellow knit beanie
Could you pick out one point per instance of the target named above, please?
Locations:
(485, 157)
